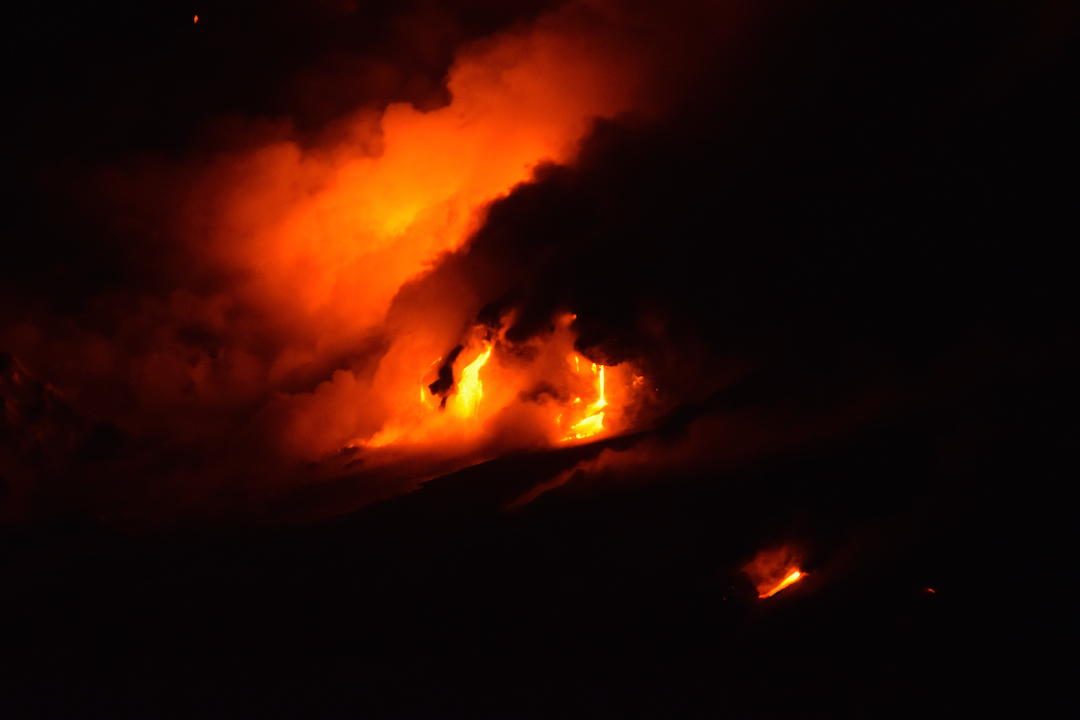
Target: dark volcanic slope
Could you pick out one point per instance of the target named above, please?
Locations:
(623, 602)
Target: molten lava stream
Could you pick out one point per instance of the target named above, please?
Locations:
(530, 394)
(793, 577)
(470, 390)
(773, 570)
(593, 423)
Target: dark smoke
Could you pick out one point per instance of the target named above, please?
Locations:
(888, 183)
(99, 84)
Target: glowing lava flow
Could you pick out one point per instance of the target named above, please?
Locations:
(773, 570)
(470, 390)
(793, 577)
(594, 421)
(530, 394)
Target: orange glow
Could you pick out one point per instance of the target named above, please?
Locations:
(424, 393)
(593, 422)
(326, 238)
(493, 389)
(316, 275)
(601, 402)
(587, 428)
(322, 241)
(793, 577)
(773, 570)
(470, 389)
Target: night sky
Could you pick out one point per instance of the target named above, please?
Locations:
(836, 240)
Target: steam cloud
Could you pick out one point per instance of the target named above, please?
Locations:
(713, 219)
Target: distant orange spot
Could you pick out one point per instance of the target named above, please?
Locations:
(196, 18)
(929, 590)
(773, 570)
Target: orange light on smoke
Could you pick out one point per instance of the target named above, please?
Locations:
(424, 393)
(322, 240)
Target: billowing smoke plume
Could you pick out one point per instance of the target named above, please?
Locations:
(607, 213)
(266, 326)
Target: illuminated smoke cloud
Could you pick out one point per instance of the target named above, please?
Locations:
(273, 324)
(608, 213)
